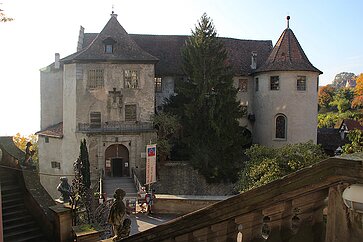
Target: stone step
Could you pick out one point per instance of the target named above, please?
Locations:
(18, 219)
(125, 183)
(20, 225)
(28, 234)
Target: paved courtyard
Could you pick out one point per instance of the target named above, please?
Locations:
(143, 221)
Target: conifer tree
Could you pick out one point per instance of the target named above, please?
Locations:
(207, 107)
(85, 167)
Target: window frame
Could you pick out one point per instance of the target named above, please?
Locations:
(95, 78)
(109, 48)
(274, 83)
(257, 84)
(276, 135)
(158, 84)
(131, 86)
(128, 119)
(301, 80)
(55, 165)
(94, 116)
(243, 85)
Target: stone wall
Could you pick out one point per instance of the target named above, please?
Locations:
(179, 178)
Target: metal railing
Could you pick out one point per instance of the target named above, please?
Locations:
(115, 126)
(137, 183)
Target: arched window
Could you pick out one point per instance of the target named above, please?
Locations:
(280, 126)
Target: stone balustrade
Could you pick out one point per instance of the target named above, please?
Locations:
(304, 206)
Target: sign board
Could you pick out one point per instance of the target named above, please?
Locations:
(108, 163)
(150, 164)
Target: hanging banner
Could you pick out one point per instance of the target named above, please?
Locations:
(150, 164)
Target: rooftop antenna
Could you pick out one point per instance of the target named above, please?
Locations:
(288, 21)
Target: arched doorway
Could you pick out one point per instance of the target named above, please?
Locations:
(117, 161)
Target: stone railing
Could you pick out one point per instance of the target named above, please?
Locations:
(116, 127)
(304, 206)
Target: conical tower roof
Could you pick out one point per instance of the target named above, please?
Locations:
(125, 48)
(287, 55)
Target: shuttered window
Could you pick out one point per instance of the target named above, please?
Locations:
(95, 120)
(130, 112)
(95, 78)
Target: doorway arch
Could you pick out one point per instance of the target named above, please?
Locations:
(117, 161)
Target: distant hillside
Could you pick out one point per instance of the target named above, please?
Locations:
(342, 78)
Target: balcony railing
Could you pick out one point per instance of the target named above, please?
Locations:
(115, 127)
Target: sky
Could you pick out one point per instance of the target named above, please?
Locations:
(329, 31)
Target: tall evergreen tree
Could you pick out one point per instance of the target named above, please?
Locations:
(85, 166)
(207, 107)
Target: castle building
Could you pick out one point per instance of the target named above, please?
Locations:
(108, 91)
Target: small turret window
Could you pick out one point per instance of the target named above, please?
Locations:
(280, 131)
(275, 83)
(301, 83)
(242, 85)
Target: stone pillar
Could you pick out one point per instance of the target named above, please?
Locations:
(251, 225)
(337, 228)
(62, 222)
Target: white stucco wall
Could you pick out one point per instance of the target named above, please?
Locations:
(51, 97)
(49, 176)
(300, 108)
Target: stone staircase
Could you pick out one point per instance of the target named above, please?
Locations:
(18, 223)
(125, 183)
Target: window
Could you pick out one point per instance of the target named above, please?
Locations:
(301, 83)
(109, 43)
(131, 79)
(95, 120)
(130, 112)
(256, 84)
(242, 85)
(95, 78)
(158, 85)
(46, 139)
(55, 164)
(109, 49)
(280, 127)
(274, 83)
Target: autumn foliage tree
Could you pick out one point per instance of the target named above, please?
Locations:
(358, 93)
(4, 18)
(325, 95)
(20, 141)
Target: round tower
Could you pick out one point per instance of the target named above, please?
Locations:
(285, 100)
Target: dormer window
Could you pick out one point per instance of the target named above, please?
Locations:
(109, 49)
(109, 45)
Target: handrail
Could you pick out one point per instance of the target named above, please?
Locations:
(137, 183)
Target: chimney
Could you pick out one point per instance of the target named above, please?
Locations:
(80, 39)
(56, 61)
(254, 60)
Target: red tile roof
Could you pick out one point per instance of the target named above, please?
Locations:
(351, 124)
(287, 55)
(55, 131)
